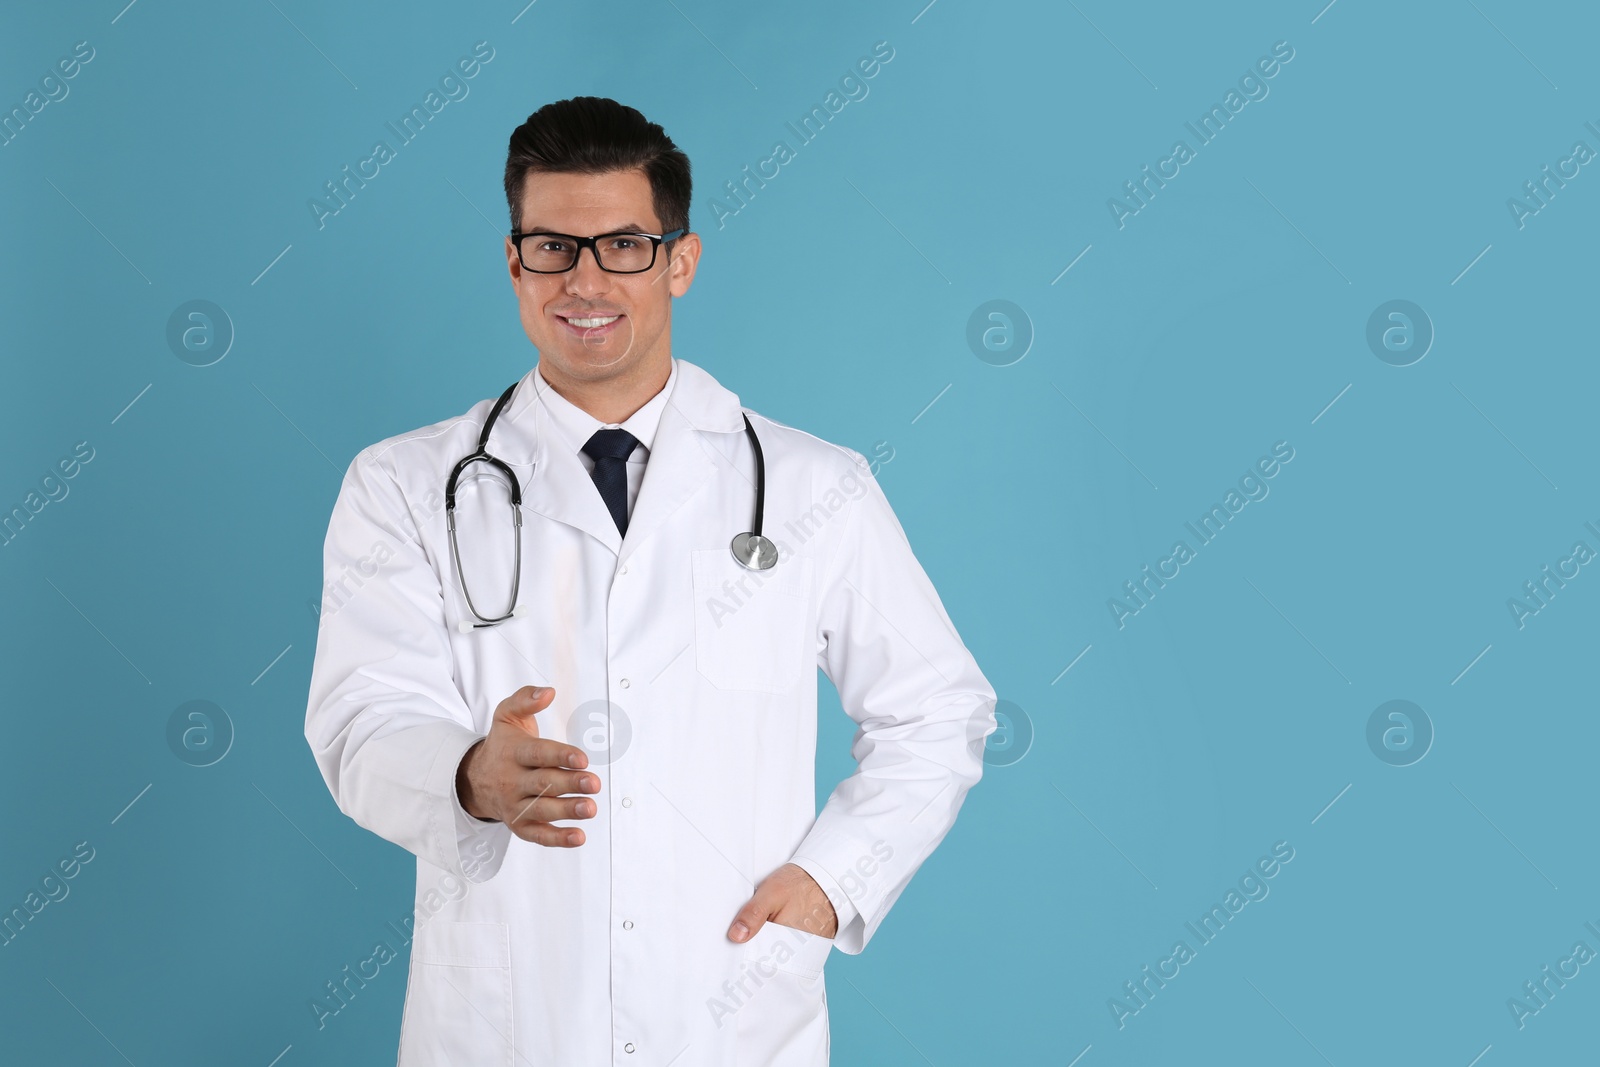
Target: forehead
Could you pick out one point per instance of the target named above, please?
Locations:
(588, 203)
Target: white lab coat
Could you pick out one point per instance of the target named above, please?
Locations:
(692, 684)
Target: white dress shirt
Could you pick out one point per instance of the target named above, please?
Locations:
(577, 426)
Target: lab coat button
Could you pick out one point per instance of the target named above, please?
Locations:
(627, 802)
(625, 683)
(627, 924)
(623, 569)
(628, 1047)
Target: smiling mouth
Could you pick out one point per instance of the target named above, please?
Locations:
(589, 320)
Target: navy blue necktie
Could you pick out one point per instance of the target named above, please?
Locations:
(610, 450)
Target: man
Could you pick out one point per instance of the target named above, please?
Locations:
(610, 792)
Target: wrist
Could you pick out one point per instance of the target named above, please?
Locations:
(465, 793)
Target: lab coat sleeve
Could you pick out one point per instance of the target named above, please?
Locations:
(844, 909)
(921, 705)
(385, 721)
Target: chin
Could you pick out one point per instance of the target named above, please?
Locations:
(586, 361)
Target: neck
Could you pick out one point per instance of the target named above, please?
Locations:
(612, 400)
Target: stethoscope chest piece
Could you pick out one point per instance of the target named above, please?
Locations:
(753, 551)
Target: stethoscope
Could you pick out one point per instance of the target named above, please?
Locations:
(752, 550)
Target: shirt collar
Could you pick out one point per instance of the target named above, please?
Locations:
(577, 425)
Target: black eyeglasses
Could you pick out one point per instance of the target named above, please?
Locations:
(616, 253)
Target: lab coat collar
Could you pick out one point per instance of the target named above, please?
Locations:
(577, 426)
(680, 462)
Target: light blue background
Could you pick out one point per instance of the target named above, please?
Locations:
(1227, 315)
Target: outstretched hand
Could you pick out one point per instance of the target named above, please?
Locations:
(516, 777)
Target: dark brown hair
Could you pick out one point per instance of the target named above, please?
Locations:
(597, 135)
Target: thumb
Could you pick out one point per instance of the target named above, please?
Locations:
(752, 917)
(519, 708)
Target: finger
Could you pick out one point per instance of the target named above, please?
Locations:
(551, 782)
(520, 707)
(549, 809)
(545, 752)
(542, 833)
(542, 794)
(752, 917)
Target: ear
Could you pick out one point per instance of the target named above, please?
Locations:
(513, 264)
(685, 258)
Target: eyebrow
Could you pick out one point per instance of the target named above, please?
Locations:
(627, 227)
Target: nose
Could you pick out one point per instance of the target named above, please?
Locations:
(586, 277)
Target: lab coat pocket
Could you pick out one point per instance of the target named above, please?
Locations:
(785, 948)
(750, 626)
(458, 1003)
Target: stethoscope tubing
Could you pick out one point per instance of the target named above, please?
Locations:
(751, 550)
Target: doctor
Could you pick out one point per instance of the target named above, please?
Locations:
(593, 722)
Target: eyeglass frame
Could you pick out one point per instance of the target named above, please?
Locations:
(656, 241)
